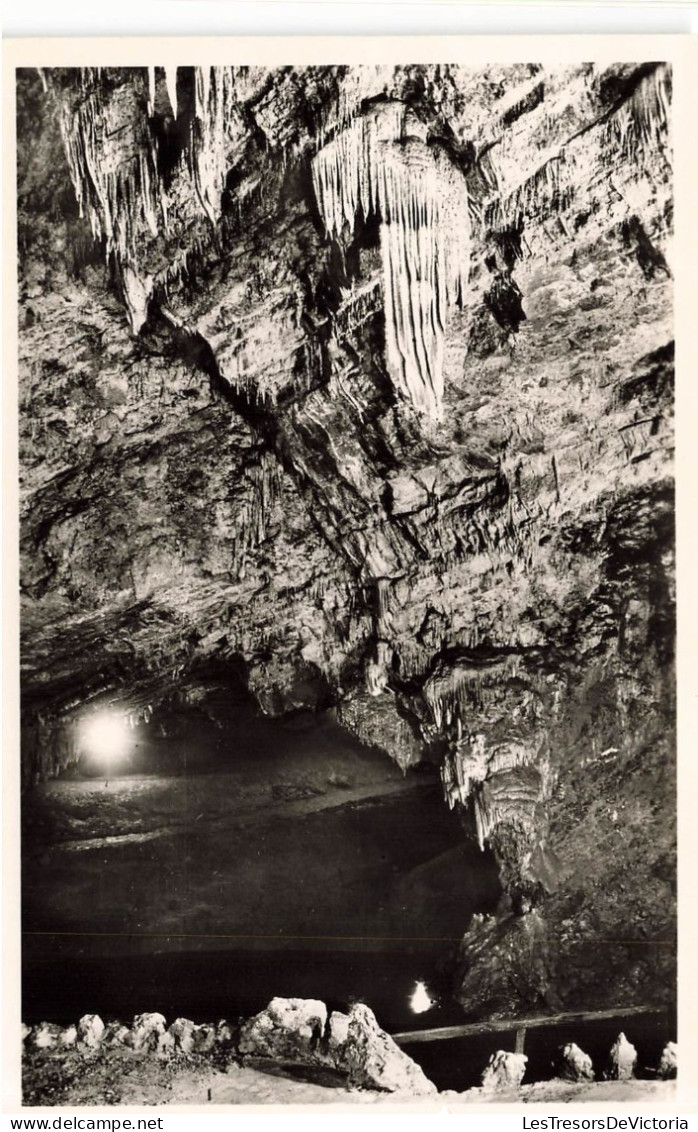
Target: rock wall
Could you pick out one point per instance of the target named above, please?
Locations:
(359, 381)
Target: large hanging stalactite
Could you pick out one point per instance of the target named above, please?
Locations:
(381, 164)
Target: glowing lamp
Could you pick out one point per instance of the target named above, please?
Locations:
(106, 735)
(420, 1000)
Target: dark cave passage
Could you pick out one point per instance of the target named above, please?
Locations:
(224, 863)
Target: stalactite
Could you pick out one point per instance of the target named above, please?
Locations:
(357, 85)
(635, 132)
(484, 818)
(640, 127)
(357, 305)
(171, 84)
(217, 114)
(256, 512)
(137, 290)
(385, 615)
(121, 199)
(547, 190)
(474, 773)
(381, 165)
(118, 188)
(378, 669)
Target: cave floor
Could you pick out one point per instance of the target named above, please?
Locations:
(249, 1085)
(121, 1079)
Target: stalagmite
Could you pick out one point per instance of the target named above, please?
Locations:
(380, 164)
(137, 290)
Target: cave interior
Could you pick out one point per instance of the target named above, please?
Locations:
(347, 520)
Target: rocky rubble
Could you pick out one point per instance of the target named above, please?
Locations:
(290, 1036)
(289, 1032)
(300, 1031)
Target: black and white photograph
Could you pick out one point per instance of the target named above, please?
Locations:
(347, 579)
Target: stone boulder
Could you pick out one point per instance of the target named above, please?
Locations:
(182, 1032)
(225, 1033)
(336, 1034)
(666, 1069)
(90, 1030)
(204, 1037)
(45, 1035)
(505, 1070)
(298, 1030)
(621, 1061)
(26, 1031)
(69, 1036)
(371, 1058)
(288, 1029)
(116, 1034)
(147, 1031)
(575, 1064)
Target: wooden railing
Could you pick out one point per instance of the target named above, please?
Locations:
(519, 1026)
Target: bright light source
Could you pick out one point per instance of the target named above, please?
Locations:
(420, 1000)
(106, 735)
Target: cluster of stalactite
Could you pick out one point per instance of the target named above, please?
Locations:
(380, 164)
(256, 512)
(113, 161)
(504, 778)
(377, 162)
(116, 181)
(505, 785)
